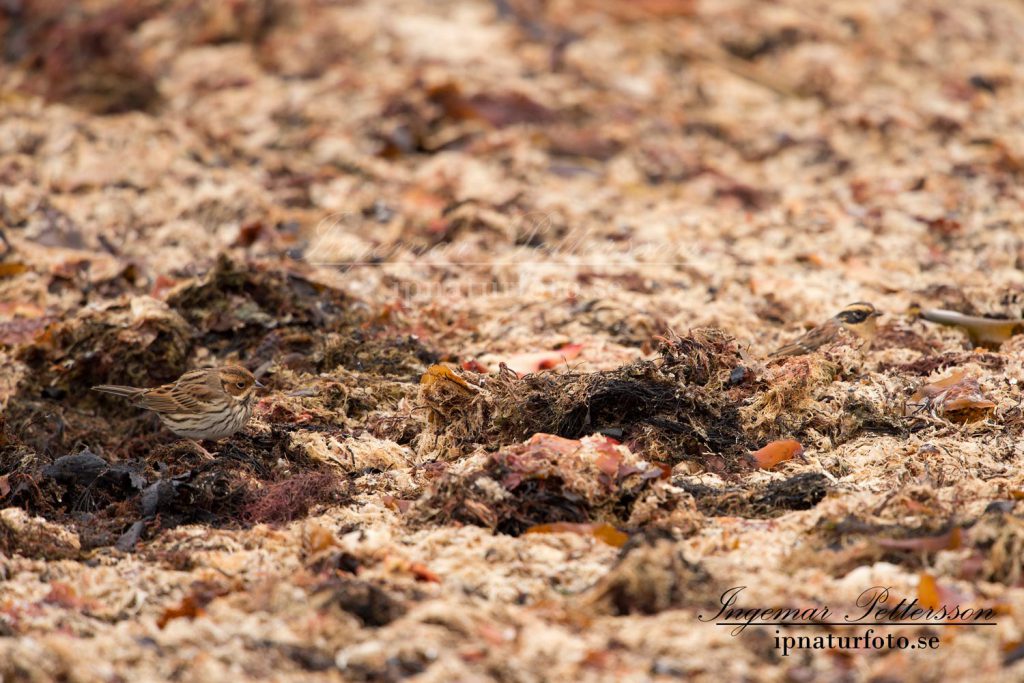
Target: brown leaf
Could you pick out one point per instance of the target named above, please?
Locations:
(943, 226)
(644, 10)
(933, 389)
(248, 234)
(589, 144)
(609, 459)
(421, 573)
(535, 459)
(319, 539)
(777, 452)
(933, 595)
(958, 393)
(967, 403)
(603, 532)
(474, 365)
(928, 591)
(497, 109)
(188, 608)
(161, 286)
(557, 444)
(442, 373)
(5, 485)
(21, 330)
(64, 595)
(12, 268)
(192, 605)
(422, 203)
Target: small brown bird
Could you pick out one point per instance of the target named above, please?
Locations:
(211, 403)
(860, 318)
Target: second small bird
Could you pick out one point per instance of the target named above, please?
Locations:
(858, 318)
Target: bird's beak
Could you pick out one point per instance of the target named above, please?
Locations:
(260, 385)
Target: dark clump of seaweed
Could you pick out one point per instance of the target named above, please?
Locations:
(90, 55)
(89, 482)
(364, 350)
(800, 492)
(261, 314)
(679, 406)
(254, 478)
(138, 341)
(235, 305)
(368, 602)
(83, 57)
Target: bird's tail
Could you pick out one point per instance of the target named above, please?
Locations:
(127, 392)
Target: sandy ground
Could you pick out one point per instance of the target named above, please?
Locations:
(511, 272)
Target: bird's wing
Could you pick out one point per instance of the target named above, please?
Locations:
(813, 340)
(191, 393)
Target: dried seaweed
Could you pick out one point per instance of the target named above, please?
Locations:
(844, 544)
(997, 542)
(927, 365)
(86, 59)
(340, 196)
(675, 408)
(362, 351)
(649, 579)
(545, 480)
(235, 305)
(293, 498)
(140, 341)
(788, 398)
(371, 604)
(24, 535)
(799, 492)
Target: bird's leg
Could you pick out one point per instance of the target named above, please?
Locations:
(207, 455)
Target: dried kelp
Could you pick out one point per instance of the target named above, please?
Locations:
(799, 492)
(651, 578)
(674, 408)
(547, 479)
(140, 341)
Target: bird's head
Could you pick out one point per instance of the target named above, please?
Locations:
(238, 382)
(857, 314)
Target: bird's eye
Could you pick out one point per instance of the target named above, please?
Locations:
(240, 385)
